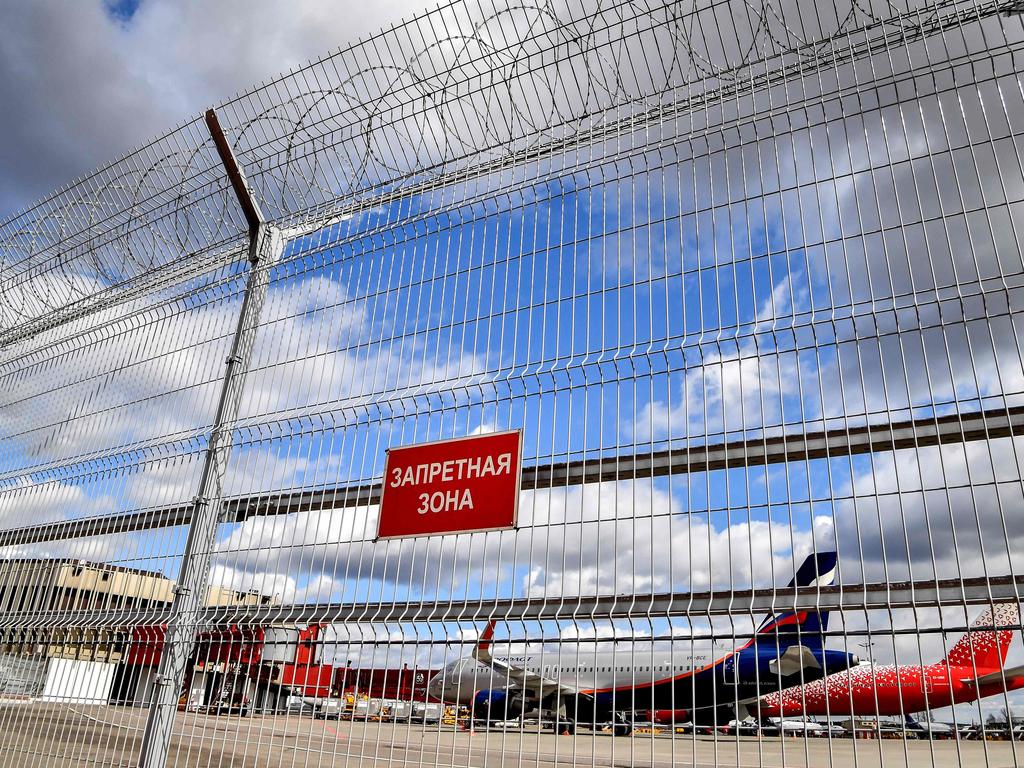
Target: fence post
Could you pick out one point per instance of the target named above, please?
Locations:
(265, 246)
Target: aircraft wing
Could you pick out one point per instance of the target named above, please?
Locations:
(538, 685)
(1006, 675)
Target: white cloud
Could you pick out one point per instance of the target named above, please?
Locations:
(24, 503)
(737, 388)
(82, 88)
(608, 538)
(639, 539)
(142, 384)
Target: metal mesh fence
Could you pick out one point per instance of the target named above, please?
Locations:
(748, 277)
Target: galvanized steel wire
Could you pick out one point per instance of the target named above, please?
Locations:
(748, 276)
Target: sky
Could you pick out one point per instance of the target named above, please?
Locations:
(689, 298)
(85, 82)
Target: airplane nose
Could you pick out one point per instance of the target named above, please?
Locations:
(435, 687)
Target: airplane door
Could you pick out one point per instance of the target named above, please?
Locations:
(729, 671)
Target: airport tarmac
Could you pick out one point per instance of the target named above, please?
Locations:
(44, 735)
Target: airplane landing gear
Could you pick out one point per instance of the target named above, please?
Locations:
(621, 726)
(565, 723)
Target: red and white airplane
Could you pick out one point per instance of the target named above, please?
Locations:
(972, 670)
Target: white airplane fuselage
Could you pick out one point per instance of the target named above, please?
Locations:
(460, 681)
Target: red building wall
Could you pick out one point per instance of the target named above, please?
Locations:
(244, 645)
(405, 683)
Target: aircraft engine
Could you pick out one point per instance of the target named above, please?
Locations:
(498, 704)
(837, 661)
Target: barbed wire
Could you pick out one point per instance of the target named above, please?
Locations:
(461, 89)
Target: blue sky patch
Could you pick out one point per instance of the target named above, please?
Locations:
(121, 10)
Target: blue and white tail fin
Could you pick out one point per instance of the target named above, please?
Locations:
(818, 570)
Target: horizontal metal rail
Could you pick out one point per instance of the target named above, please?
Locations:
(725, 602)
(955, 428)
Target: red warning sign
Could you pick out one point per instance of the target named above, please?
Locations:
(465, 484)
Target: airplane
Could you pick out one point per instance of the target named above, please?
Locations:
(972, 670)
(592, 688)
